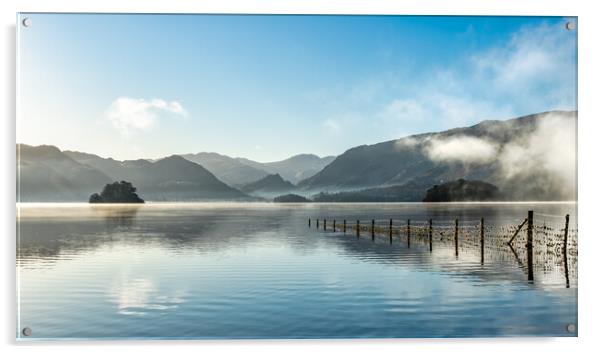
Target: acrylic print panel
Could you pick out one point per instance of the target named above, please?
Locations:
(236, 176)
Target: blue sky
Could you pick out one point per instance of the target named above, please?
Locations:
(268, 87)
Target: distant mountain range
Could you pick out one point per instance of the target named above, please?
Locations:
(238, 172)
(47, 174)
(228, 169)
(294, 168)
(527, 158)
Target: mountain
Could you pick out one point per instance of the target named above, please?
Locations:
(227, 169)
(108, 166)
(240, 171)
(171, 178)
(269, 185)
(175, 178)
(45, 174)
(527, 157)
(295, 168)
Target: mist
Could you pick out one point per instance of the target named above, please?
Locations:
(467, 149)
(547, 157)
(534, 161)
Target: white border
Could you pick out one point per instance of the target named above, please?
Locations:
(589, 170)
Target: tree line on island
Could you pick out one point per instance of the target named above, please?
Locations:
(462, 164)
(117, 192)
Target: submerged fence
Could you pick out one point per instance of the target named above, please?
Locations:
(542, 241)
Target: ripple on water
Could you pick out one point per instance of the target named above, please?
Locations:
(256, 271)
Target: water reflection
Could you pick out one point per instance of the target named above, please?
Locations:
(240, 271)
(117, 216)
(50, 239)
(138, 296)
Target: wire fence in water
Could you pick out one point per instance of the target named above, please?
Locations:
(540, 242)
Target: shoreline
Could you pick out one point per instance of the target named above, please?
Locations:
(152, 203)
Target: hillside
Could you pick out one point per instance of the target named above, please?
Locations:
(295, 168)
(409, 192)
(169, 179)
(175, 178)
(227, 169)
(45, 174)
(523, 156)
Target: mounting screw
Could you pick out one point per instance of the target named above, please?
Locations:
(26, 22)
(570, 25)
(26, 331)
(571, 328)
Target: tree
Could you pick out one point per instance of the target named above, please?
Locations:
(95, 198)
(117, 192)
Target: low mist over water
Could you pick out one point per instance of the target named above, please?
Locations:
(253, 270)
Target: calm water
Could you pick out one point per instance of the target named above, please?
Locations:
(258, 271)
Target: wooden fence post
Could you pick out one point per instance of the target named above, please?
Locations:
(334, 225)
(482, 240)
(344, 226)
(431, 235)
(390, 230)
(530, 245)
(357, 228)
(456, 236)
(309, 223)
(324, 226)
(408, 232)
(372, 229)
(530, 229)
(317, 223)
(565, 251)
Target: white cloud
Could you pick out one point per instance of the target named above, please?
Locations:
(131, 115)
(533, 71)
(466, 149)
(332, 125)
(534, 56)
(407, 142)
(444, 109)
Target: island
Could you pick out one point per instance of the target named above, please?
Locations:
(117, 192)
(291, 198)
(462, 190)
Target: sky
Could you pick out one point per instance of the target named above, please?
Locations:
(269, 87)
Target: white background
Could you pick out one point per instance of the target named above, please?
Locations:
(590, 100)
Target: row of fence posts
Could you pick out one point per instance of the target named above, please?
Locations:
(408, 232)
(529, 244)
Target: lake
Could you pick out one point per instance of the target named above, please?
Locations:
(259, 270)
